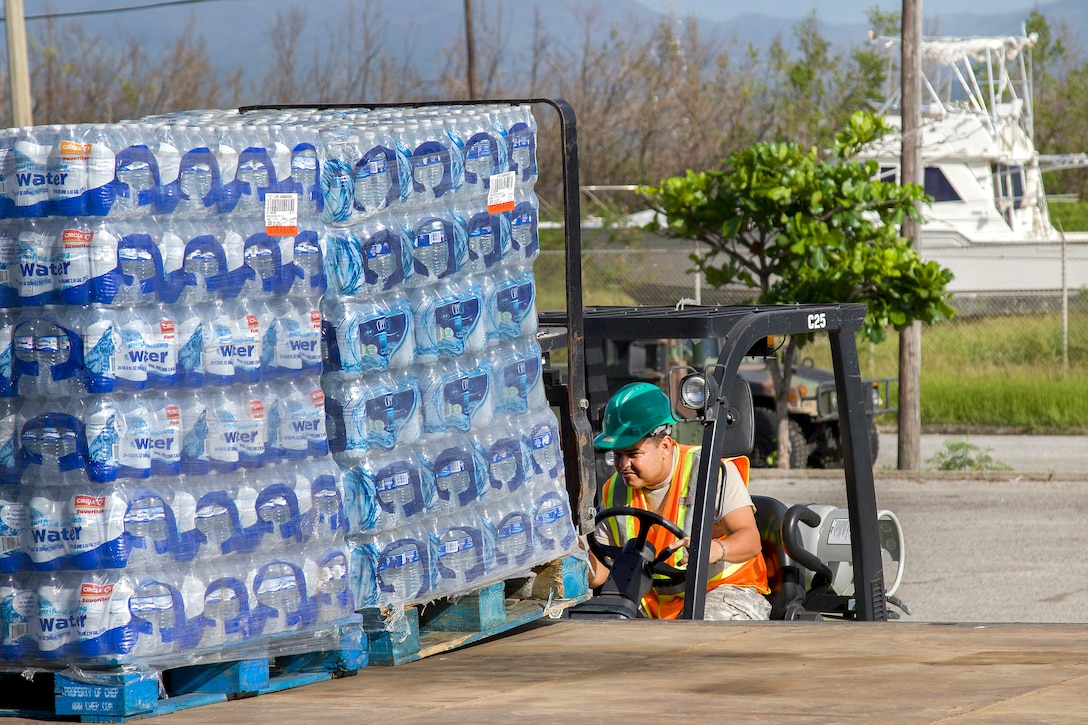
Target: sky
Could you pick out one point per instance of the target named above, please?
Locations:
(831, 11)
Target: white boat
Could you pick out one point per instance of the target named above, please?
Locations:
(989, 221)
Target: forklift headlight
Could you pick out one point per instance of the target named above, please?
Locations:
(694, 391)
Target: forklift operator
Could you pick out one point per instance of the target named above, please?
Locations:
(655, 473)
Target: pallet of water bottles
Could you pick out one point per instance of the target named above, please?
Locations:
(170, 683)
(402, 634)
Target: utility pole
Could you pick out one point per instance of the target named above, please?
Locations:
(470, 51)
(910, 339)
(22, 113)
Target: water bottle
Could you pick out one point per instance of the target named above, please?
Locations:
(308, 279)
(524, 236)
(376, 177)
(9, 263)
(100, 143)
(264, 272)
(485, 154)
(135, 454)
(521, 137)
(544, 445)
(225, 617)
(166, 431)
(392, 410)
(345, 262)
(460, 560)
(158, 609)
(385, 255)
(9, 441)
(37, 263)
(137, 174)
(365, 554)
(18, 618)
(283, 602)
(105, 627)
(225, 516)
(508, 457)
(320, 479)
(405, 139)
(488, 241)
(308, 341)
(287, 419)
(247, 338)
(45, 537)
(104, 426)
(103, 348)
(8, 318)
(279, 519)
(71, 255)
(150, 527)
(457, 396)
(404, 486)
(439, 241)
(161, 345)
(404, 567)
(14, 519)
(432, 168)
(223, 413)
(58, 615)
(198, 183)
(131, 367)
(189, 326)
(512, 521)
(280, 349)
(205, 266)
(331, 585)
(511, 306)
(95, 529)
(139, 272)
(256, 174)
(28, 182)
(341, 341)
(51, 442)
(195, 431)
(459, 466)
(448, 321)
(518, 377)
(453, 127)
(252, 427)
(304, 172)
(218, 339)
(553, 525)
(338, 177)
(345, 421)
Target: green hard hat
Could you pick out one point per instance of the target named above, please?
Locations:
(634, 412)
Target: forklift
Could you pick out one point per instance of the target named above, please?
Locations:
(823, 562)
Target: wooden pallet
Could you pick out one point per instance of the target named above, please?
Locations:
(120, 696)
(445, 625)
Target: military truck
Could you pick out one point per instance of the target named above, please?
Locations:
(815, 438)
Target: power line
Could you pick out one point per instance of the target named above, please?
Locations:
(111, 11)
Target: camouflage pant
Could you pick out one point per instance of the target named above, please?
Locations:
(728, 602)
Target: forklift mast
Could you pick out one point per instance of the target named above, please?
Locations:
(739, 329)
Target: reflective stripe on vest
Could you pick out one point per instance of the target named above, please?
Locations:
(668, 602)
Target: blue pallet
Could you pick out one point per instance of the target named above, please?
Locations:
(122, 696)
(445, 625)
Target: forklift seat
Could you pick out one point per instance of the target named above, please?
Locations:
(784, 575)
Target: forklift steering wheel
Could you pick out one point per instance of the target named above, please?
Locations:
(606, 553)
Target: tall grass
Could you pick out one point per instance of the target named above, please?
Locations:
(1000, 371)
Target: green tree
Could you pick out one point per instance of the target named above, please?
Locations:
(798, 227)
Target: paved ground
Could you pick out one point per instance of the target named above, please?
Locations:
(1020, 452)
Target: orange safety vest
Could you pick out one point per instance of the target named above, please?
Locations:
(667, 603)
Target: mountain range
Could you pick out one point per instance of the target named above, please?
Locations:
(237, 32)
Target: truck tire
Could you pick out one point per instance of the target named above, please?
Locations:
(765, 445)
